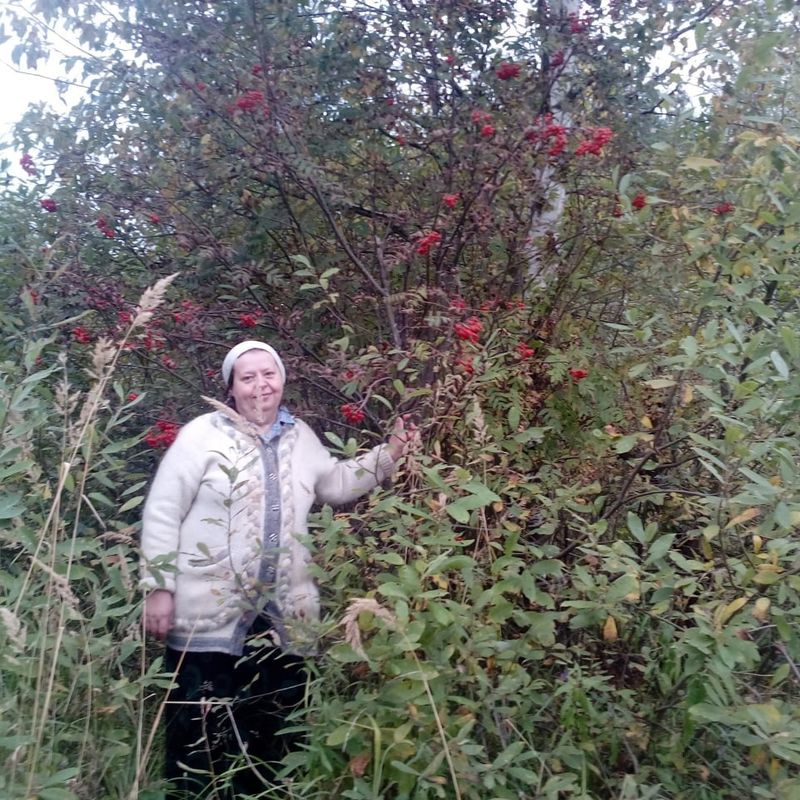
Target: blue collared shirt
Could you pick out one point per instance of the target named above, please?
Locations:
(283, 419)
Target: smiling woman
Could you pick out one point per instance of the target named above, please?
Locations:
(255, 378)
(226, 569)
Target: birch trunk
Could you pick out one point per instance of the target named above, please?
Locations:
(548, 206)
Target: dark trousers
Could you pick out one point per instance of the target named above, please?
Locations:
(223, 719)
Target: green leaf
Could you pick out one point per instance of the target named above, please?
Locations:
(625, 444)
(340, 735)
(780, 365)
(660, 383)
(635, 527)
(659, 548)
(11, 505)
(698, 162)
(132, 503)
(390, 558)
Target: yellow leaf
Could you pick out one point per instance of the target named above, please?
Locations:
(761, 609)
(774, 768)
(441, 582)
(724, 613)
(610, 630)
(646, 423)
(688, 394)
(775, 480)
(745, 516)
(757, 542)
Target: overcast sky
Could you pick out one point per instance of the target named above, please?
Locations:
(18, 88)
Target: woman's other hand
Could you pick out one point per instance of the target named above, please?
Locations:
(159, 610)
(402, 433)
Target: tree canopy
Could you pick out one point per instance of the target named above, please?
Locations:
(563, 237)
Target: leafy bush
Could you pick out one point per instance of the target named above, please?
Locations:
(581, 284)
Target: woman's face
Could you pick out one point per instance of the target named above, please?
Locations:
(257, 387)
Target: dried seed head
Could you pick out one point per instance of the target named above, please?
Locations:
(102, 356)
(14, 629)
(150, 300)
(60, 584)
(352, 635)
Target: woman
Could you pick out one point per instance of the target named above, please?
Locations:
(226, 568)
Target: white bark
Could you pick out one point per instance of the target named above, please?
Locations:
(548, 207)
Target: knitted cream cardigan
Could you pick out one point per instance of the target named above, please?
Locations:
(207, 516)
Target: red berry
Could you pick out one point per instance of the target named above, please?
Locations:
(506, 71)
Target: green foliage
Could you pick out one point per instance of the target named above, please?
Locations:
(73, 667)
(584, 583)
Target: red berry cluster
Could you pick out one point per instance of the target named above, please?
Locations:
(153, 341)
(722, 208)
(102, 297)
(578, 374)
(451, 200)
(525, 351)
(250, 101)
(81, 335)
(487, 131)
(105, 228)
(558, 133)
(467, 364)
(506, 71)
(576, 24)
(598, 138)
(154, 218)
(458, 304)
(546, 131)
(557, 59)
(639, 202)
(162, 434)
(469, 331)
(48, 204)
(352, 413)
(248, 320)
(188, 313)
(428, 241)
(26, 162)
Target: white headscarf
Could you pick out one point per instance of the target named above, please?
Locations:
(243, 347)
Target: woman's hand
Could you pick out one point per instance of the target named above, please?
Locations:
(400, 437)
(159, 611)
